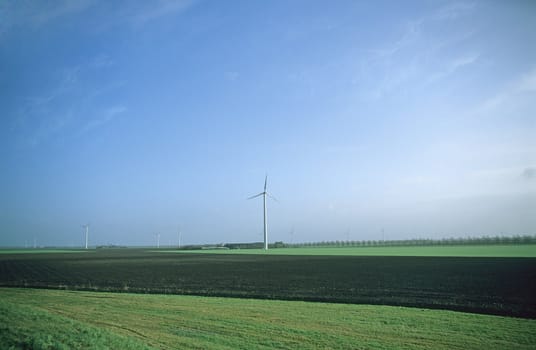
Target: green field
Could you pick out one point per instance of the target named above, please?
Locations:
(491, 285)
(64, 319)
(499, 250)
(506, 250)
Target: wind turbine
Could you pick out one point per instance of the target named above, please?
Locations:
(264, 194)
(158, 240)
(87, 232)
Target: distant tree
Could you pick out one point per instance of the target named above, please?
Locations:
(278, 244)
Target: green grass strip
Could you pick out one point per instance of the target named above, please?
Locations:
(505, 251)
(30, 327)
(171, 322)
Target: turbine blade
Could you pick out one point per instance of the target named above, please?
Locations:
(260, 194)
(265, 182)
(275, 199)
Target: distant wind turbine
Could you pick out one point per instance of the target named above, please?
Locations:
(264, 194)
(87, 232)
(158, 240)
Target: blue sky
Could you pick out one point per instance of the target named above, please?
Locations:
(140, 117)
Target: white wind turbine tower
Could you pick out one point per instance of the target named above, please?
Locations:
(264, 194)
(158, 240)
(87, 232)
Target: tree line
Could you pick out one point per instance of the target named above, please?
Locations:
(482, 240)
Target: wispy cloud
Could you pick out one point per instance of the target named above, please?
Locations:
(102, 60)
(64, 107)
(156, 9)
(416, 58)
(408, 37)
(43, 128)
(68, 78)
(415, 29)
(56, 9)
(106, 116)
(16, 14)
(454, 11)
(39, 117)
(463, 61)
(517, 88)
(452, 66)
